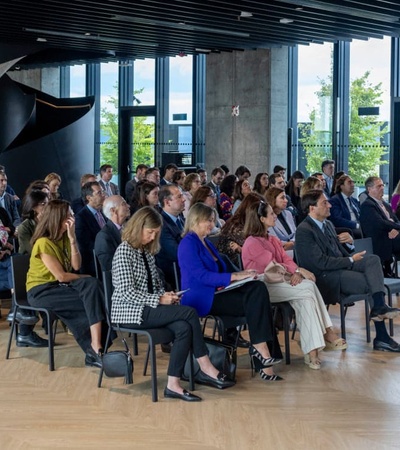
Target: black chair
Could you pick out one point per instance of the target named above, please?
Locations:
(20, 266)
(154, 335)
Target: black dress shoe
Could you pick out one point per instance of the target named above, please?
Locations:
(391, 346)
(93, 359)
(166, 348)
(186, 396)
(31, 340)
(24, 316)
(383, 312)
(231, 340)
(221, 382)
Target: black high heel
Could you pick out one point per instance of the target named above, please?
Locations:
(256, 366)
(266, 362)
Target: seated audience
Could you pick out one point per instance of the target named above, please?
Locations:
(280, 169)
(78, 203)
(54, 182)
(153, 174)
(284, 228)
(231, 238)
(108, 238)
(179, 179)
(226, 196)
(169, 171)
(300, 291)
(32, 208)
(140, 301)
(261, 183)
(131, 184)
(242, 173)
(204, 273)
(345, 211)
(206, 195)
(337, 271)
(242, 188)
(293, 187)
(89, 221)
(145, 194)
(75, 299)
(380, 224)
(191, 184)
(277, 180)
(172, 206)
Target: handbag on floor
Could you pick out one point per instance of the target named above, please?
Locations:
(223, 357)
(119, 363)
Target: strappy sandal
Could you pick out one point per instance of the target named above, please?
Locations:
(312, 362)
(337, 344)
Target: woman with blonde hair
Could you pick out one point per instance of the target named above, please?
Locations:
(139, 300)
(54, 182)
(259, 250)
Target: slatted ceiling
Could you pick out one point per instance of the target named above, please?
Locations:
(216, 24)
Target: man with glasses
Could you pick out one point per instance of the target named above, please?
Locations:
(172, 203)
(380, 223)
(88, 222)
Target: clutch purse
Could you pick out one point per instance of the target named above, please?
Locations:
(276, 273)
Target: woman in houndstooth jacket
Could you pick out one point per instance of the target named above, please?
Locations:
(139, 300)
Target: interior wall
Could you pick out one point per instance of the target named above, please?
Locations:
(46, 80)
(257, 82)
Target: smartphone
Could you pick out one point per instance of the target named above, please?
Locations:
(180, 293)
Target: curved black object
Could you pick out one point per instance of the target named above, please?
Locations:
(42, 134)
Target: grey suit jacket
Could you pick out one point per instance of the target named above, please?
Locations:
(114, 188)
(314, 253)
(106, 243)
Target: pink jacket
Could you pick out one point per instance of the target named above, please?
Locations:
(258, 252)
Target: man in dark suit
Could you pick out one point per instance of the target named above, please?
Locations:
(108, 238)
(217, 175)
(78, 203)
(106, 173)
(88, 222)
(131, 184)
(7, 201)
(345, 211)
(339, 272)
(380, 223)
(328, 170)
(169, 171)
(173, 204)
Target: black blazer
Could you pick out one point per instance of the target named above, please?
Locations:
(169, 240)
(376, 225)
(107, 241)
(86, 227)
(315, 254)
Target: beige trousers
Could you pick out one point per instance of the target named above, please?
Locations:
(311, 314)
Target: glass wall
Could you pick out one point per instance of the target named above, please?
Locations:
(314, 107)
(78, 81)
(144, 81)
(109, 116)
(369, 133)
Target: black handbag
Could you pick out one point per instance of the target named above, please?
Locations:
(223, 357)
(119, 363)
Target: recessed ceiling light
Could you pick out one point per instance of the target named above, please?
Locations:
(285, 21)
(246, 14)
(40, 39)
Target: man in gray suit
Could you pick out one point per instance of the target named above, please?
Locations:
(319, 250)
(106, 173)
(108, 238)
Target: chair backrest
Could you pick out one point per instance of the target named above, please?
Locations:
(363, 244)
(97, 265)
(108, 291)
(19, 267)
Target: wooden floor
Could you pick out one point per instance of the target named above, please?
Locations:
(352, 403)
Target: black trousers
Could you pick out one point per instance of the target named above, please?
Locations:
(252, 301)
(184, 323)
(78, 304)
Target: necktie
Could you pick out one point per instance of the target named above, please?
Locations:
(150, 286)
(354, 213)
(385, 211)
(179, 223)
(100, 219)
(332, 240)
(108, 189)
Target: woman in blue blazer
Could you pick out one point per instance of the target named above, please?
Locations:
(204, 273)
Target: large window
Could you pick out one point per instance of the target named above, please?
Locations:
(144, 82)
(314, 110)
(369, 109)
(109, 116)
(78, 81)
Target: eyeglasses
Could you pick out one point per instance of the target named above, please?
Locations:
(99, 193)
